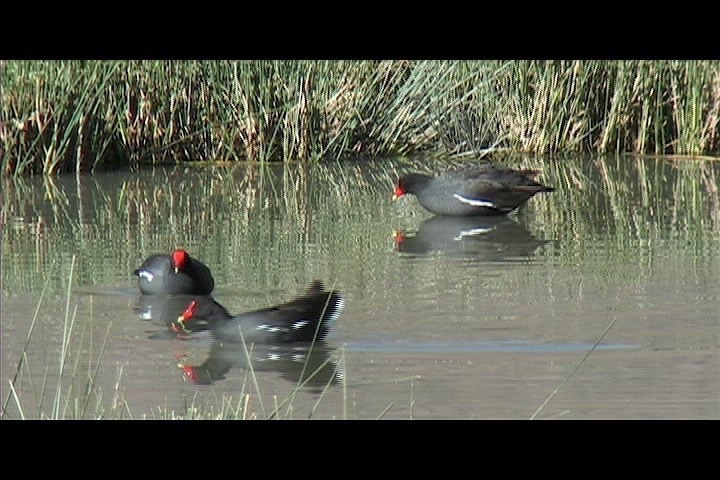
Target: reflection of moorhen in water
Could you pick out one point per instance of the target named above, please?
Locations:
(472, 190)
(301, 363)
(174, 274)
(491, 238)
(306, 318)
(165, 309)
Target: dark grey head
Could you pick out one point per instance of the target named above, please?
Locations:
(410, 183)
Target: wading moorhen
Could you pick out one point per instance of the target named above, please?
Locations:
(472, 190)
(174, 274)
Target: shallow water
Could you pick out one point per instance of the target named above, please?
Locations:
(605, 290)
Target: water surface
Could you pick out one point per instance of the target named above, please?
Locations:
(444, 319)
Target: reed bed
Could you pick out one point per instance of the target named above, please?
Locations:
(61, 116)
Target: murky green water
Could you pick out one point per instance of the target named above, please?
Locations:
(438, 323)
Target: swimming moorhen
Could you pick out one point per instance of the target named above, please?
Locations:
(303, 319)
(472, 190)
(174, 274)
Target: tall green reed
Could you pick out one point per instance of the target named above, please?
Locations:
(81, 115)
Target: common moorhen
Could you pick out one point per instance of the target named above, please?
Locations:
(174, 274)
(306, 318)
(472, 190)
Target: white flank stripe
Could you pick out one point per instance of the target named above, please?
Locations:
(338, 308)
(146, 274)
(299, 325)
(474, 202)
(271, 329)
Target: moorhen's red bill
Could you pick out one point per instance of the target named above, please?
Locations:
(472, 190)
(174, 274)
(306, 318)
